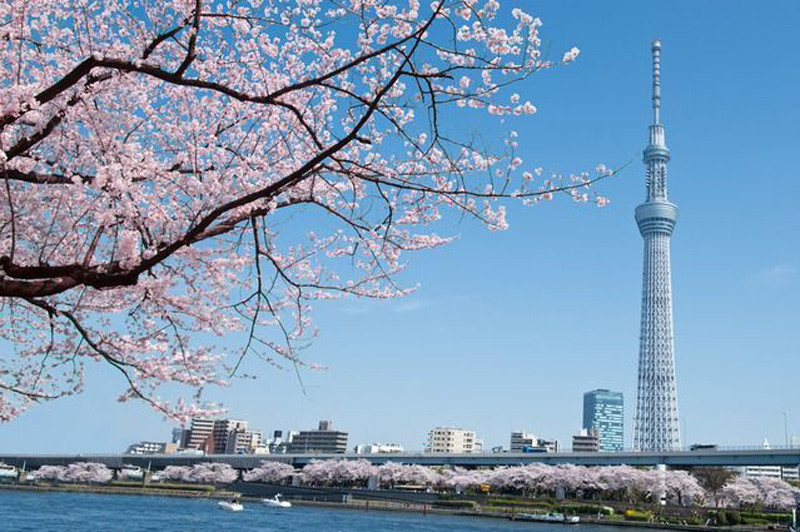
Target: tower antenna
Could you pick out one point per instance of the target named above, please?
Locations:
(656, 48)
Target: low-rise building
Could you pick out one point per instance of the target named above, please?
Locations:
(452, 440)
(280, 441)
(151, 447)
(587, 441)
(550, 446)
(378, 448)
(520, 440)
(781, 472)
(790, 474)
(528, 442)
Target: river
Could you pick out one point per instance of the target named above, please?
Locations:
(58, 511)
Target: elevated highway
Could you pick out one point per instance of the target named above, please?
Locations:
(705, 457)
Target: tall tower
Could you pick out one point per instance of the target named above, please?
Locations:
(656, 421)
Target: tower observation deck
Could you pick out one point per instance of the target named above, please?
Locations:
(656, 425)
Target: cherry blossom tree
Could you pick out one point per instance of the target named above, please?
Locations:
(175, 472)
(207, 472)
(338, 472)
(527, 480)
(88, 472)
(741, 492)
(460, 479)
(153, 154)
(50, 472)
(777, 493)
(270, 472)
(392, 474)
(84, 472)
(683, 489)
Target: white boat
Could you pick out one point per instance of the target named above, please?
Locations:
(551, 517)
(231, 506)
(131, 472)
(8, 471)
(277, 502)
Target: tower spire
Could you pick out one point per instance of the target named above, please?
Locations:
(656, 155)
(656, 48)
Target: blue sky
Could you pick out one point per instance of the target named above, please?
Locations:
(509, 329)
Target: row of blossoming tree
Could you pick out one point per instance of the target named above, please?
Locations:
(620, 483)
(623, 483)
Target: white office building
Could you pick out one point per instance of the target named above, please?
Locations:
(378, 448)
(452, 440)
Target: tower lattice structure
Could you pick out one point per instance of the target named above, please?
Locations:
(656, 425)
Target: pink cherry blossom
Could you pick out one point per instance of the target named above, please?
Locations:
(338, 472)
(208, 473)
(571, 55)
(159, 164)
(270, 472)
(83, 472)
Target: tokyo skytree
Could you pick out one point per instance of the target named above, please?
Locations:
(656, 421)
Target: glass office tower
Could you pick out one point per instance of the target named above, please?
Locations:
(603, 412)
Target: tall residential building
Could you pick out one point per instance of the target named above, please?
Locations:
(200, 431)
(243, 442)
(603, 412)
(587, 441)
(656, 425)
(219, 436)
(452, 440)
(224, 432)
(323, 440)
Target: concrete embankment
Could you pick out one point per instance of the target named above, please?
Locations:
(122, 490)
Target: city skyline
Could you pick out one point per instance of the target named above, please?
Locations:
(470, 338)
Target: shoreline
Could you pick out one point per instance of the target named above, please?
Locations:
(363, 505)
